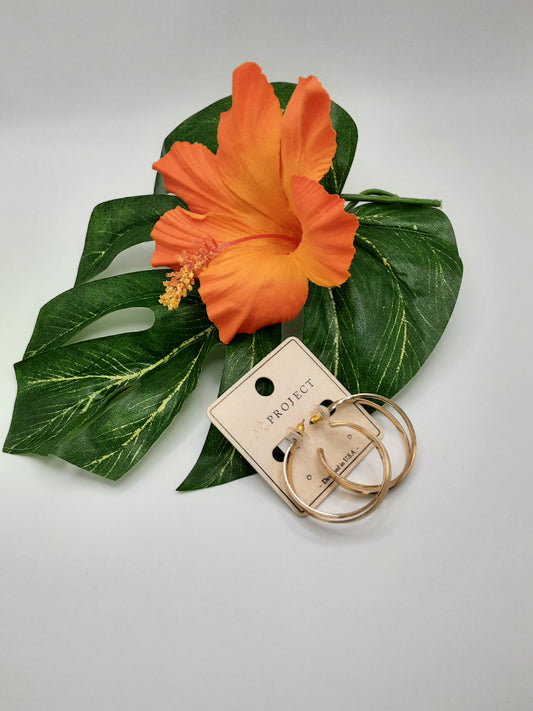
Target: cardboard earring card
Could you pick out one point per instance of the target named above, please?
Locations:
(273, 397)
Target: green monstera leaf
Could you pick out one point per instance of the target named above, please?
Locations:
(118, 224)
(102, 403)
(376, 330)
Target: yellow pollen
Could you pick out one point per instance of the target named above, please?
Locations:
(182, 281)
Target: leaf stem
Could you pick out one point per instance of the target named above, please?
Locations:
(384, 197)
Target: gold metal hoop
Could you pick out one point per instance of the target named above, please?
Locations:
(409, 439)
(332, 517)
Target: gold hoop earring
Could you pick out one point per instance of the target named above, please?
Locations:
(409, 438)
(295, 437)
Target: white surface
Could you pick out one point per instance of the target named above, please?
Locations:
(132, 596)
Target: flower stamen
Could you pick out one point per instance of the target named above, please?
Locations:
(192, 263)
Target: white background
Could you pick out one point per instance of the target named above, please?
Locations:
(132, 596)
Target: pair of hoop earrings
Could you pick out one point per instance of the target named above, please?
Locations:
(321, 415)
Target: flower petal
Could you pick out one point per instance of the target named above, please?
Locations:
(248, 153)
(191, 172)
(326, 250)
(177, 231)
(252, 285)
(308, 140)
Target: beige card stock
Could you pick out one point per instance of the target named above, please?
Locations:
(256, 424)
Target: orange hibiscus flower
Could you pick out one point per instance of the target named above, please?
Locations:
(259, 224)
